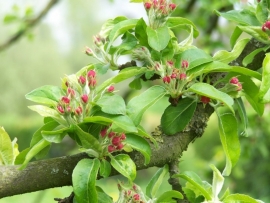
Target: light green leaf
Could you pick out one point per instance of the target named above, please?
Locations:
(119, 29)
(217, 183)
(239, 198)
(179, 22)
(196, 181)
(211, 92)
(135, 1)
(169, 196)
(124, 165)
(257, 33)
(34, 151)
(139, 104)
(229, 138)
(139, 144)
(189, 40)
(235, 35)
(109, 25)
(9, 18)
(264, 93)
(243, 116)
(159, 38)
(249, 58)
(141, 132)
(48, 95)
(156, 181)
(49, 112)
(122, 75)
(55, 136)
(103, 197)
(175, 119)
(140, 32)
(112, 104)
(226, 57)
(84, 181)
(262, 12)
(6, 149)
(105, 168)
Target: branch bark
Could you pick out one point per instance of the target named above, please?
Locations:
(56, 172)
(29, 24)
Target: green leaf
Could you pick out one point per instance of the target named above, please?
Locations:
(10, 18)
(135, 1)
(262, 12)
(105, 168)
(49, 112)
(159, 38)
(101, 68)
(84, 181)
(88, 141)
(139, 144)
(48, 95)
(196, 181)
(21, 157)
(169, 196)
(112, 104)
(103, 197)
(264, 93)
(140, 32)
(141, 132)
(257, 33)
(229, 138)
(156, 181)
(235, 35)
(249, 58)
(34, 151)
(139, 104)
(244, 17)
(175, 119)
(217, 184)
(124, 165)
(6, 149)
(136, 84)
(55, 136)
(179, 22)
(239, 198)
(189, 40)
(109, 25)
(120, 28)
(211, 92)
(122, 75)
(243, 116)
(226, 57)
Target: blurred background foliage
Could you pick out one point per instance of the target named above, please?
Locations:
(54, 47)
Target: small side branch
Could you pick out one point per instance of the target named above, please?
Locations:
(29, 24)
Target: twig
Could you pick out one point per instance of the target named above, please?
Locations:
(29, 24)
(68, 199)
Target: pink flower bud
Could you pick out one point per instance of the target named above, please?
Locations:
(166, 79)
(172, 6)
(120, 146)
(65, 100)
(71, 92)
(239, 86)
(116, 141)
(84, 98)
(82, 80)
(123, 137)
(267, 24)
(91, 74)
(184, 64)
(78, 110)
(97, 40)
(111, 148)
(68, 109)
(234, 80)
(111, 134)
(103, 132)
(136, 197)
(88, 51)
(134, 187)
(205, 99)
(173, 75)
(170, 63)
(92, 83)
(182, 76)
(110, 89)
(147, 5)
(60, 109)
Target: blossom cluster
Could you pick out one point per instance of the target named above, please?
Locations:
(132, 195)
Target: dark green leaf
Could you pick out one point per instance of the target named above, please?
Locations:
(84, 181)
(175, 119)
(229, 138)
(124, 165)
(140, 144)
(139, 104)
(140, 32)
(243, 116)
(169, 196)
(55, 136)
(159, 38)
(156, 181)
(103, 197)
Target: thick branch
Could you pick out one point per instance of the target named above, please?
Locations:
(29, 24)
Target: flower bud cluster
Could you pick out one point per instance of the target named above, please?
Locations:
(158, 11)
(112, 140)
(266, 26)
(132, 195)
(75, 105)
